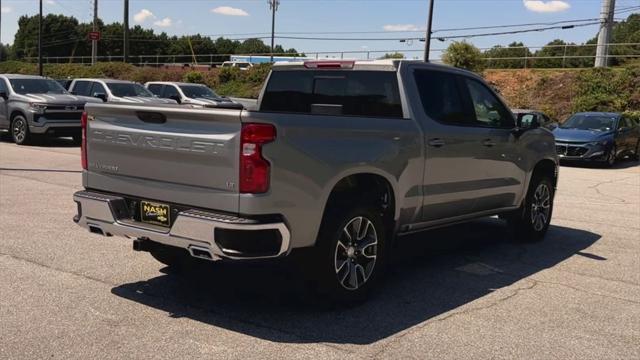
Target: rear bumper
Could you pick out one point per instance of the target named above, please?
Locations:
(193, 230)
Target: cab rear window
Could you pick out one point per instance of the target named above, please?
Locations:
(327, 92)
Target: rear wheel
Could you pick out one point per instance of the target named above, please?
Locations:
(20, 130)
(532, 221)
(349, 256)
(77, 139)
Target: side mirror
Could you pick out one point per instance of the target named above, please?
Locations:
(101, 96)
(176, 98)
(4, 95)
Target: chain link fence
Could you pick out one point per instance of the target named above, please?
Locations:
(547, 56)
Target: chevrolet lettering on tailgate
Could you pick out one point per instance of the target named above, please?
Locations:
(158, 142)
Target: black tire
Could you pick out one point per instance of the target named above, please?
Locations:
(77, 139)
(19, 130)
(526, 223)
(611, 158)
(636, 154)
(335, 261)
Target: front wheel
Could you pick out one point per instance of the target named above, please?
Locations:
(532, 221)
(350, 255)
(20, 130)
(611, 157)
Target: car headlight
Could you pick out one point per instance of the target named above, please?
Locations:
(599, 143)
(37, 108)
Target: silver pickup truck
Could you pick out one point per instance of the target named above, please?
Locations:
(340, 159)
(33, 105)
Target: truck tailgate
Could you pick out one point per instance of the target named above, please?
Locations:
(167, 153)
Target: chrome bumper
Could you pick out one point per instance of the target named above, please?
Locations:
(193, 230)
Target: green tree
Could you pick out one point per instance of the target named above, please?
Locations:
(66, 37)
(625, 32)
(59, 34)
(5, 52)
(513, 50)
(464, 55)
(253, 46)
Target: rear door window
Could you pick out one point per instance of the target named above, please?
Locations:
(170, 91)
(82, 88)
(328, 92)
(156, 89)
(97, 88)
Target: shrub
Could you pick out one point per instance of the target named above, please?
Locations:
(17, 67)
(605, 89)
(228, 74)
(633, 115)
(195, 77)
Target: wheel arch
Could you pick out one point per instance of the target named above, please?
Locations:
(546, 167)
(16, 112)
(365, 185)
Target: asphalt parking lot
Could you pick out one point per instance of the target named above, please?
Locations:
(461, 292)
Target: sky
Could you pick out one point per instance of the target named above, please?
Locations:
(366, 19)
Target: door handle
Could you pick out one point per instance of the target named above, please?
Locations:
(488, 143)
(436, 143)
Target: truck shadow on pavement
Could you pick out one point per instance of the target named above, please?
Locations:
(42, 141)
(432, 273)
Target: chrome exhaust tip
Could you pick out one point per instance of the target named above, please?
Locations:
(201, 253)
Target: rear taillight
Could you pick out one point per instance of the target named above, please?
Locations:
(254, 169)
(83, 148)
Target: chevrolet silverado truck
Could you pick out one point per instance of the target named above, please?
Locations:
(34, 105)
(339, 160)
(116, 91)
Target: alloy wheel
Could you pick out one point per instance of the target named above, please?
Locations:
(356, 253)
(540, 207)
(19, 130)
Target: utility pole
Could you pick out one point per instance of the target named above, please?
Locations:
(40, 72)
(427, 41)
(273, 5)
(94, 43)
(604, 36)
(125, 46)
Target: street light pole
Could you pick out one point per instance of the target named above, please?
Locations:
(94, 43)
(427, 41)
(604, 36)
(125, 46)
(273, 4)
(40, 72)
